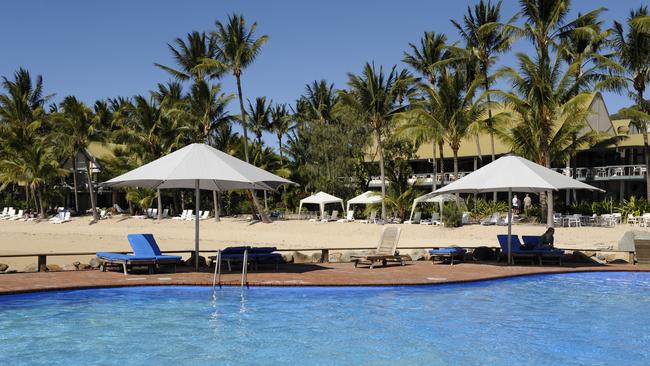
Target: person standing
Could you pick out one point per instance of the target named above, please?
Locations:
(515, 204)
(528, 203)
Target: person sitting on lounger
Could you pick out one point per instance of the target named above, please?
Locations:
(547, 239)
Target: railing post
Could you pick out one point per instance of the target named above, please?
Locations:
(324, 256)
(244, 270)
(42, 263)
(217, 271)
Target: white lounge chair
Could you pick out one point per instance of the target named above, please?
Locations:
(334, 217)
(417, 218)
(4, 211)
(465, 219)
(492, 220)
(348, 218)
(17, 216)
(372, 218)
(9, 213)
(66, 218)
(182, 216)
(205, 215)
(386, 250)
(104, 214)
(119, 209)
(435, 220)
(165, 213)
(191, 216)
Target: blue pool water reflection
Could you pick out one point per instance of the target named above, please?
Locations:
(568, 319)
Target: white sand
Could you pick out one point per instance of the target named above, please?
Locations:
(110, 235)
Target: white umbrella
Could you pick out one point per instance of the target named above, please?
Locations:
(199, 166)
(433, 197)
(320, 199)
(365, 198)
(513, 173)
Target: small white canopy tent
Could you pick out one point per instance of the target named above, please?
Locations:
(320, 199)
(513, 173)
(433, 197)
(199, 166)
(365, 198)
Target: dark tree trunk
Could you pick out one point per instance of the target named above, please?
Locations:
(74, 183)
(91, 192)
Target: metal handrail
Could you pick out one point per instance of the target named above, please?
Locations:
(244, 270)
(217, 272)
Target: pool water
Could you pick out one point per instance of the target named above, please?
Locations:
(568, 319)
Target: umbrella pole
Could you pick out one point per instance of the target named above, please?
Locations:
(197, 194)
(509, 225)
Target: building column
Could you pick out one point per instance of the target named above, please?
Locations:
(621, 191)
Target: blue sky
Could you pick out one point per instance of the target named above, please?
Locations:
(100, 49)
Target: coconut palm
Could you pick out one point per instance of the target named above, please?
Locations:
(280, 123)
(236, 49)
(486, 37)
(189, 54)
(260, 117)
(632, 46)
(80, 127)
(376, 98)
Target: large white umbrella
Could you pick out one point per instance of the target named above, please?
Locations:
(365, 198)
(199, 166)
(513, 173)
(433, 197)
(320, 199)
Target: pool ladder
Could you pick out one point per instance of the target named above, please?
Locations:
(216, 280)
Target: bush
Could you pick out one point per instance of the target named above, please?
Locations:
(452, 215)
(486, 208)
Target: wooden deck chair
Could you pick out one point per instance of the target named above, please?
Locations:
(372, 218)
(642, 251)
(385, 250)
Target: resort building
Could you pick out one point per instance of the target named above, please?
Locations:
(618, 167)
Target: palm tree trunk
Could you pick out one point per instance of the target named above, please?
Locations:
(646, 155)
(91, 191)
(40, 202)
(455, 151)
(256, 204)
(478, 151)
(27, 197)
(74, 183)
(280, 149)
(382, 175)
(434, 184)
(441, 144)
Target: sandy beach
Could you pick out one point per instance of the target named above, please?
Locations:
(110, 235)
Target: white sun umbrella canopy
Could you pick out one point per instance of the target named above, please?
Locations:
(365, 198)
(199, 166)
(320, 199)
(513, 173)
(433, 197)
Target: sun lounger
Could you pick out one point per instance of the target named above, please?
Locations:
(11, 212)
(334, 217)
(642, 251)
(4, 212)
(17, 216)
(492, 220)
(119, 209)
(191, 216)
(445, 254)
(416, 218)
(348, 218)
(64, 219)
(145, 245)
(385, 251)
(205, 215)
(435, 220)
(255, 256)
(125, 260)
(165, 213)
(372, 218)
(533, 255)
(182, 216)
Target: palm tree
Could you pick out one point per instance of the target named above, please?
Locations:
(280, 123)
(80, 127)
(260, 115)
(377, 98)
(189, 54)
(633, 52)
(236, 49)
(486, 37)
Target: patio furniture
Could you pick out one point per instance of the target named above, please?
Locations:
(533, 255)
(385, 251)
(642, 251)
(255, 256)
(448, 254)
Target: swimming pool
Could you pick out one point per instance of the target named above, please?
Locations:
(568, 319)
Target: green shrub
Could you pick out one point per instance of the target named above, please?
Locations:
(486, 208)
(452, 215)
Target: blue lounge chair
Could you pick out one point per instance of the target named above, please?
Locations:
(256, 256)
(450, 253)
(145, 245)
(125, 260)
(532, 254)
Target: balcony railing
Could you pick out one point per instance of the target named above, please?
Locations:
(612, 172)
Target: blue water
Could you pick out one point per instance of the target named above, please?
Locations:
(569, 319)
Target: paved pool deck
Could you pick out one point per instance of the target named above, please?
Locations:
(322, 274)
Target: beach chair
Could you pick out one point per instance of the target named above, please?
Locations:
(348, 218)
(11, 212)
(417, 217)
(165, 213)
(205, 215)
(534, 255)
(119, 209)
(492, 220)
(191, 216)
(642, 251)
(103, 215)
(465, 218)
(333, 217)
(505, 221)
(182, 216)
(17, 216)
(65, 218)
(145, 245)
(434, 220)
(447, 254)
(385, 251)
(255, 256)
(4, 212)
(372, 218)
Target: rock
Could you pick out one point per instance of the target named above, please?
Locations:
(30, 268)
(300, 258)
(202, 261)
(287, 257)
(417, 254)
(53, 268)
(84, 266)
(483, 254)
(70, 267)
(3, 267)
(94, 263)
(316, 257)
(619, 261)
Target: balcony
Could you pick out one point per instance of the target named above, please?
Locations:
(422, 179)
